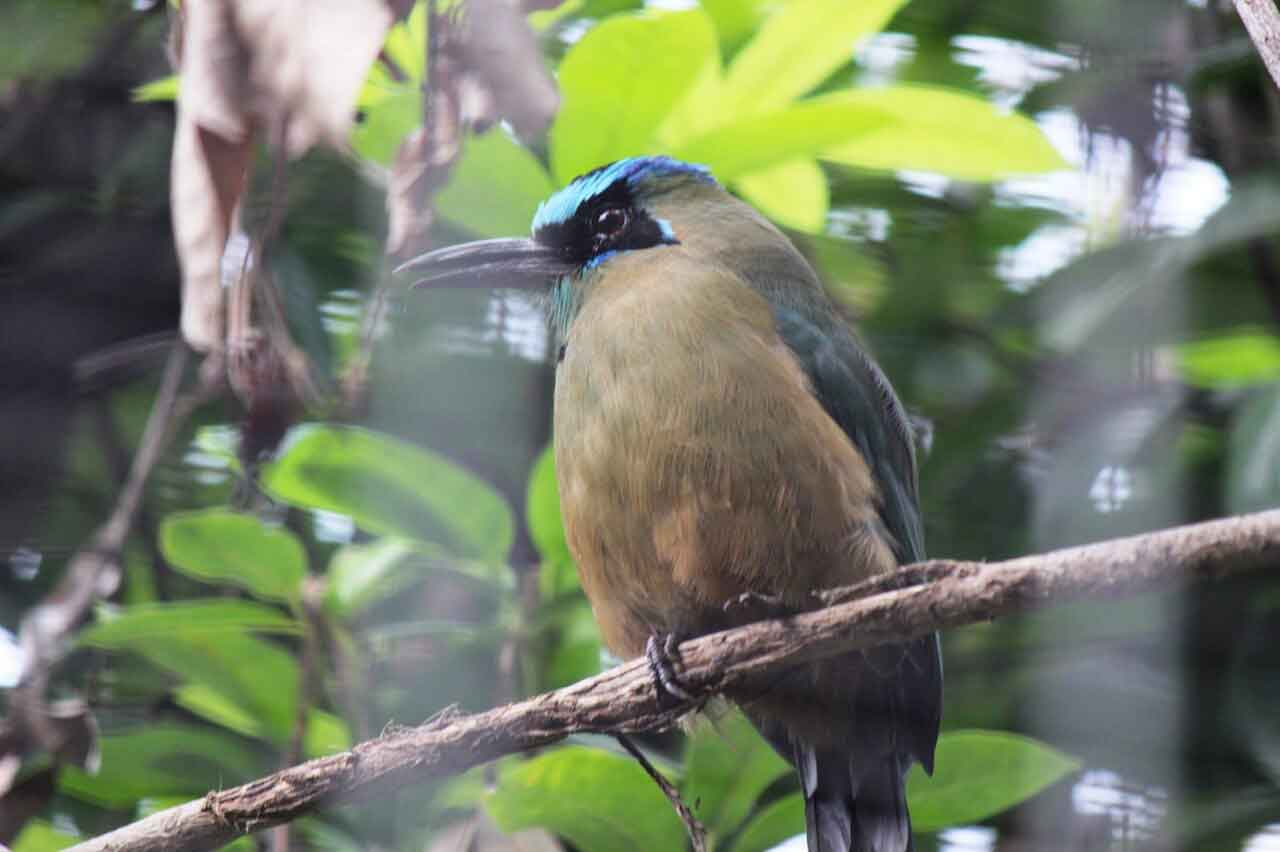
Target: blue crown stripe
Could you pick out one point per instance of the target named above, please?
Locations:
(564, 204)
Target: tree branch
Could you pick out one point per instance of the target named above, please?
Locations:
(1263, 24)
(623, 700)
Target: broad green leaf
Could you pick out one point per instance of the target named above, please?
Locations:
(406, 44)
(797, 48)
(757, 142)
(495, 187)
(1253, 459)
(385, 123)
(208, 703)
(325, 734)
(542, 510)
(159, 760)
(793, 194)
(595, 799)
(980, 773)
(222, 546)
(943, 131)
(777, 822)
(40, 836)
(362, 574)
(164, 89)
(393, 488)
(576, 652)
(727, 766)
(236, 680)
(735, 20)
(619, 82)
(121, 628)
(1243, 357)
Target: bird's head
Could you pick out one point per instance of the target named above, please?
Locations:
(625, 206)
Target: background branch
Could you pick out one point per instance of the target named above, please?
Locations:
(1263, 23)
(734, 661)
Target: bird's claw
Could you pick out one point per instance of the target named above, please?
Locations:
(753, 599)
(663, 652)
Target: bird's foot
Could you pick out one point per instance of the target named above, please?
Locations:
(663, 652)
(750, 600)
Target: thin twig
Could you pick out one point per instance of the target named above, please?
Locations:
(733, 662)
(697, 832)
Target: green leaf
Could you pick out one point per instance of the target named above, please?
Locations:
(576, 652)
(591, 797)
(727, 766)
(122, 628)
(222, 546)
(159, 760)
(542, 510)
(1243, 357)
(735, 20)
(943, 131)
(208, 703)
(40, 836)
(393, 488)
(363, 574)
(495, 187)
(797, 48)
(619, 81)
(164, 89)
(757, 142)
(777, 822)
(385, 123)
(406, 44)
(979, 774)
(793, 194)
(325, 734)
(1253, 458)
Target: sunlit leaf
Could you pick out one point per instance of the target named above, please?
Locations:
(39, 836)
(752, 143)
(1246, 356)
(222, 546)
(793, 194)
(495, 187)
(775, 823)
(384, 124)
(164, 89)
(325, 734)
(981, 773)
(162, 759)
(1253, 466)
(797, 48)
(727, 766)
(619, 82)
(406, 44)
(362, 574)
(119, 628)
(943, 131)
(591, 797)
(735, 20)
(390, 487)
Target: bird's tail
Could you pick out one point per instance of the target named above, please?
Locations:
(851, 808)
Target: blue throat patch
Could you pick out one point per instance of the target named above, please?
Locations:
(561, 206)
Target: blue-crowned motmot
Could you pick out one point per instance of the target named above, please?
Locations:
(724, 448)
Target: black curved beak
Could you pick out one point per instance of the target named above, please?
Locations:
(513, 263)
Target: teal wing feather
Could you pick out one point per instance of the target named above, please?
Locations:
(858, 396)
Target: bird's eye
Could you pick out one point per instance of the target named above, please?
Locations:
(609, 225)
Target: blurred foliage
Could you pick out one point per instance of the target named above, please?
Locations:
(1090, 369)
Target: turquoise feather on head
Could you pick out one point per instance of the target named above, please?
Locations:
(632, 174)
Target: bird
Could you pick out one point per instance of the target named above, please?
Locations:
(725, 448)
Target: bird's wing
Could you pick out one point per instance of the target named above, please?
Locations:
(858, 397)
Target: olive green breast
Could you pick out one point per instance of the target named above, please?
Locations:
(694, 463)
